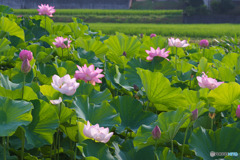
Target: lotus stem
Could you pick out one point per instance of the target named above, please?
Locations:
(185, 139)
(68, 52)
(24, 78)
(56, 145)
(7, 142)
(211, 123)
(172, 145)
(176, 59)
(203, 52)
(55, 149)
(156, 150)
(45, 22)
(75, 151)
(23, 142)
(62, 52)
(147, 105)
(4, 148)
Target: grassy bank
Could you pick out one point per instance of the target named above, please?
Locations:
(171, 30)
(113, 16)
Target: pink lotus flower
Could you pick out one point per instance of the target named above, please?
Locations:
(56, 101)
(204, 43)
(45, 9)
(61, 42)
(153, 35)
(156, 133)
(89, 74)
(25, 54)
(205, 82)
(153, 53)
(238, 111)
(26, 67)
(100, 134)
(65, 85)
(177, 42)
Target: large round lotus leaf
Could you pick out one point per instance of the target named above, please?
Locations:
(131, 113)
(103, 114)
(13, 114)
(159, 90)
(169, 124)
(204, 141)
(45, 121)
(224, 95)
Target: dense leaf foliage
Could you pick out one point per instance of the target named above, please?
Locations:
(133, 97)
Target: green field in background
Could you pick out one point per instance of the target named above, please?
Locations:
(170, 30)
(111, 16)
(73, 12)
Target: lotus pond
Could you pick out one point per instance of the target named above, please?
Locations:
(69, 93)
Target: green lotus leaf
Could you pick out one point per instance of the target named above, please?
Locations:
(121, 43)
(225, 139)
(7, 84)
(98, 150)
(224, 95)
(5, 10)
(159, 91)
(169, 124)
(29, 94)
(100, 49)
(60, 30)
(103, 114)
(13, 114)
(49, 92)
(96, 97)
(131, 113)
(89, 56)
(6, 51)
(43, 126)
(12, 28)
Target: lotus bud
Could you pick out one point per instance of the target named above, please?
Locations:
(153, 35)
(156, 133)
(135, 87)
(124, 54)
(238, 111)
(26, 67)
(141, 35)
(204, 43)
(194, 115)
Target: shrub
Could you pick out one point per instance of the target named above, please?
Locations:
(221, 6)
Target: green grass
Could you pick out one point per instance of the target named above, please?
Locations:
(113, 16)
(170, 30)
(75, 12)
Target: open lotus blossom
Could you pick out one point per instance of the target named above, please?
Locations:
(88, 74)
(100, 134)
(177, 42)
(153, 35)
(25, 54)
(56, 101)
(45, 9)
(153, 53)
(60, 42)
(238, 111)
(204, 43)
(205, 82)
(65, 85)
